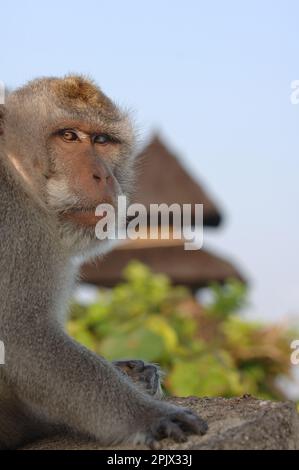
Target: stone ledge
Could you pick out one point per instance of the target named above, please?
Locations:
(234, 423)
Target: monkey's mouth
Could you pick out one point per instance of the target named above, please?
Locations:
(82, 216)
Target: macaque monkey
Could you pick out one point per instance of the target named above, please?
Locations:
(64, 149)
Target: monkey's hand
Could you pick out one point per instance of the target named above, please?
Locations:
(163, 419)
(146, 376)
(170, 421)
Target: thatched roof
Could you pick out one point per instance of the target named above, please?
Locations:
(191, 268)
(163, 179)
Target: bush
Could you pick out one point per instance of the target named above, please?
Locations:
(205, 350)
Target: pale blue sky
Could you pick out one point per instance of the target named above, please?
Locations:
(215, 78)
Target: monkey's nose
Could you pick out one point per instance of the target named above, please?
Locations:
(103, 186)
(101, 174)
(102, 178)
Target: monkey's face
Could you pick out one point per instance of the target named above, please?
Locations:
(83, 171)
(74, 149)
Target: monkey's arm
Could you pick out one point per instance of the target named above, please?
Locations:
(70, 385)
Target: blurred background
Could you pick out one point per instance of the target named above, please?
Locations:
(209, 87)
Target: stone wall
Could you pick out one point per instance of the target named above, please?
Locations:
(235, 423)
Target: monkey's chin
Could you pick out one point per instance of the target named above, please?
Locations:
(78, 235)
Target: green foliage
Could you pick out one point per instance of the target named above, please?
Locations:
(205, 350)
(227, 299)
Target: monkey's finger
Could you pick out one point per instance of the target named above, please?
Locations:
(191, 423)
(175, 432)
(134, 364)
(137, 365)
(168, 428)
(152, 443)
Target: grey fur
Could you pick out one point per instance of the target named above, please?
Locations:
(49, 382)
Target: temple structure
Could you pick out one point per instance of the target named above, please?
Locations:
(163, 179)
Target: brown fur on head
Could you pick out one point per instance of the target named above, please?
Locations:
(76, 91)
(70, 176)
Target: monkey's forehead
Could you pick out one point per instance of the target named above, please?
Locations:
(73, 93)
(79, 92)
(72, 101)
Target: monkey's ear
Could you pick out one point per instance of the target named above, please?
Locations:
(2, 114)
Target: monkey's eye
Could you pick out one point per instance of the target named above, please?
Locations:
(69, 135)
(102, 139)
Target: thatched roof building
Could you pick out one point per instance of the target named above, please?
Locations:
(163, 179)
(194, 269)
